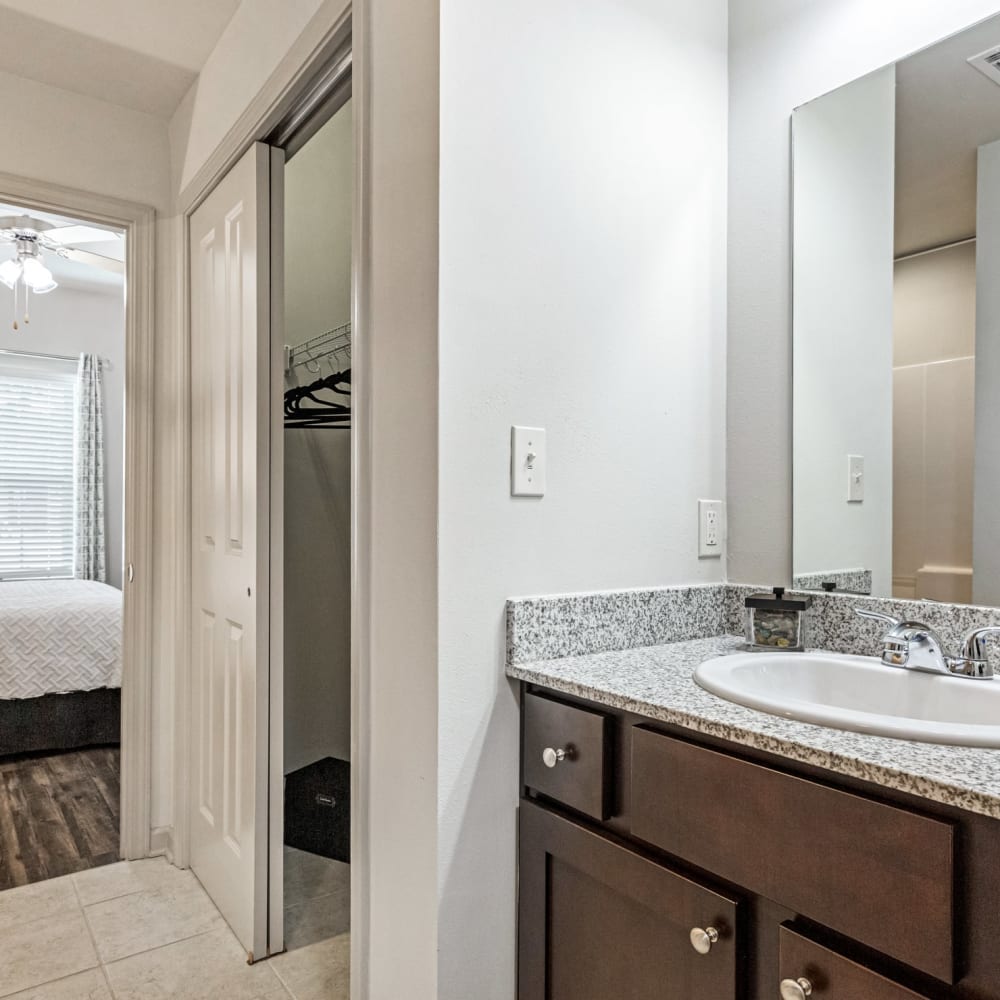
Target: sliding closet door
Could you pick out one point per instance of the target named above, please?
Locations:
(229, 255)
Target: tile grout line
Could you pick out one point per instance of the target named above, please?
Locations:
(104, 868)
(143, 951)
(93, 939)
(159, 947)
(326, 899)
(284, 985)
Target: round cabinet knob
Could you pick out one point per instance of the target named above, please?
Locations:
(702, 939)
(551, 756)
(796, 989)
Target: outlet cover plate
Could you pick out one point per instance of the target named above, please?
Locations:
(527, 461)
(711, 529)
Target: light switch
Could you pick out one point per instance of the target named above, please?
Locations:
(855, 478)
(527, 462)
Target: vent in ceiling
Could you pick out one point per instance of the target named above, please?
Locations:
(988, 63)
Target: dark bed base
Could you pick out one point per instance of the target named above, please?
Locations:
(60, 721)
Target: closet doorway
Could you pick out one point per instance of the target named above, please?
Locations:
(312, 594)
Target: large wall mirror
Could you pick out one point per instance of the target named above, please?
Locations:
(896, 425)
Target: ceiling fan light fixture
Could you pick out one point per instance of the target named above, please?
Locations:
(10, 272)
(37, 276)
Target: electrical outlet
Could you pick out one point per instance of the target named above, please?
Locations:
(711, 528)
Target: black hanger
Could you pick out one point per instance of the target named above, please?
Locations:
(323, 412)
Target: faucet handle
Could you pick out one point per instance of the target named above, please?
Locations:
(974, 643)
(878, 616)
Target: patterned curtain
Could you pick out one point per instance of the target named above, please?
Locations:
(90, 555)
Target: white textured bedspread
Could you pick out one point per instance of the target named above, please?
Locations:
(58, 636)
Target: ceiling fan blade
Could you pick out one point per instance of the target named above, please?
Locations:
(94, 259)
(10, 222)
(80, 234)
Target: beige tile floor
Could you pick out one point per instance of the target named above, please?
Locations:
(317, 899)
(144, 930)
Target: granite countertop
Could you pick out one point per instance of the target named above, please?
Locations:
(657, 682)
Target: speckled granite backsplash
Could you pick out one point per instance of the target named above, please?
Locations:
(853, 581)
(545, 628)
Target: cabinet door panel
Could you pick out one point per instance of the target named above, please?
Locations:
(599, 920)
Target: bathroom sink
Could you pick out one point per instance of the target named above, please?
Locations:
(861, 694)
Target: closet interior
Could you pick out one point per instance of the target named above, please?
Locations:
(318, 182)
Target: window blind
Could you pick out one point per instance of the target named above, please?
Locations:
(36, 467)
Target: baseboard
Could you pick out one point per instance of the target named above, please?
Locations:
(161, 842)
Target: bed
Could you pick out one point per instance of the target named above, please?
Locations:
(60, 664)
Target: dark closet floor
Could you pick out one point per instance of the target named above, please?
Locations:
(58, 814)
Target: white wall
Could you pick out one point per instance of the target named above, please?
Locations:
(69, 321)
(250, 49)
(582, 290)
(782, 54)
(319, 199)
(933, 398)
(843, 222)
(986, 524)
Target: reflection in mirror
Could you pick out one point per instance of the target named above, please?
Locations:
(896, 220)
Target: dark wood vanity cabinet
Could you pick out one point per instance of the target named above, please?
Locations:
(654, 863)
(822, 974)
(598, 920)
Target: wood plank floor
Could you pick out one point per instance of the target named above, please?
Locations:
(58, 814)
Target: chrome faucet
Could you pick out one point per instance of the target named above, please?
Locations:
(916, 646)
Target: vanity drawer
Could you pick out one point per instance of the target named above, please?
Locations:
(882, 875)
(581, 779)
(831, 976)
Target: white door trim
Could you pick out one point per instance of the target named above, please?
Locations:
(276, 673)
(138, 221)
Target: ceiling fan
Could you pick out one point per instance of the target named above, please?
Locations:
(31, 237)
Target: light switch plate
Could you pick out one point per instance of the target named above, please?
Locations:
(711, 529)
(855, 478)
(527, 461)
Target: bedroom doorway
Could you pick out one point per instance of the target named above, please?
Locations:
(74, 531)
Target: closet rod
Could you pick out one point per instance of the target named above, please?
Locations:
(937, 249)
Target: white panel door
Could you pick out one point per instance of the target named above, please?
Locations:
(229, 255)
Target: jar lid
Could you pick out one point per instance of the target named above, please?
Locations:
(777, 601)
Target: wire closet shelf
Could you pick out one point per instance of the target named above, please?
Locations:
(332, 347)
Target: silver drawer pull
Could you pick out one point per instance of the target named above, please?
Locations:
(796, 989)
(702, 939)
(551, 756)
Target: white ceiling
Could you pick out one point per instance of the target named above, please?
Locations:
(137, 53)
(68, 272)
(945, 109)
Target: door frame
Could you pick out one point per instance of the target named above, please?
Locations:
(317, 47)
(138, 222)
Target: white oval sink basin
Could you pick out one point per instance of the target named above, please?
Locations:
(861, 694)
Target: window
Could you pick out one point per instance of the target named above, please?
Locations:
(36, 467)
